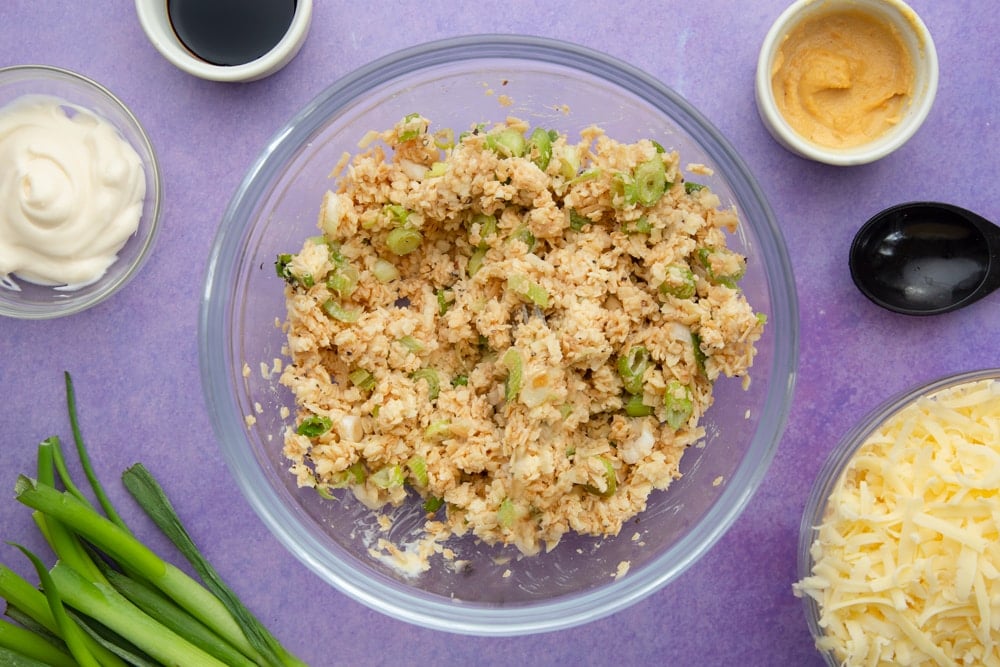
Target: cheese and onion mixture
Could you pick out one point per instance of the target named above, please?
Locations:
(907, 557)
(522, 329)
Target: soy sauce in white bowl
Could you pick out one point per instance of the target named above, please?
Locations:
(230, 32)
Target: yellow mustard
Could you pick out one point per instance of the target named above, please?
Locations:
(842, 78)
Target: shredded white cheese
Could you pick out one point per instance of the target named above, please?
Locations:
(907, 559)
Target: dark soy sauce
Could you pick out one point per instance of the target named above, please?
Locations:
(230, 32)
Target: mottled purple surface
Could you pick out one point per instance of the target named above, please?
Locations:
(134, 357)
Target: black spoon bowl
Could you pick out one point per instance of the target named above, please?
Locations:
(926, 258)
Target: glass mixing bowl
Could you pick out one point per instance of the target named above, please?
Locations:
(457, 83)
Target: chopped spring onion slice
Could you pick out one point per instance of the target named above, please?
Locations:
(412, 344)
(588, 175)
(528, 289)
(640, 226)
(438, 428)
(678, 404)
(634, 407)
(431, 377)
(314, 426)
(384, 271)
(577, 222)
(514, 364)
(699, 355)
(352, 475)
(678, 282)
(650, 181)
(403, 240)
(433, 504)
(388, 477)
(475, 261)
(524, 235)
(344, 280)
(398, 214)
(610, 480)
(443, 301)
(460, 381)
(418, 469)
(362, 379)
(540, 148)
(444, 139)
(624, 191)
(487, 224)
(691, 188)
(506, 513)
(282, 268)
(632, 367)
(413, 126)
(437, 169)
(507, 143)
(332, 308)
(708, 258)
(569, 162)
(659, 147)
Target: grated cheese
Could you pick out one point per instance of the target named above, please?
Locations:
(907, 559)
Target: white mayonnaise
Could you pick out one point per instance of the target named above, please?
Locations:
(71, 193)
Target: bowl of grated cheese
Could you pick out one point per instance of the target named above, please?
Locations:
(899, 547)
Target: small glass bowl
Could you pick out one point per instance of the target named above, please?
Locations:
(920, 46)
(457, 83)
(837, 462)
(26, 300)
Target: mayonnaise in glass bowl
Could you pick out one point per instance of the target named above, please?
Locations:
(81, 193)
(483, 590)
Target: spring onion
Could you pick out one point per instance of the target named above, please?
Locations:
(699, 355)
(397, 214)
(418, 469)
(362, 379)
(412, 344)
(634, 407)
(514, 364)
(678, 404)
(528, 289)
(632, 367)
(412, 126)
(432, 504)
(439, 428)
(282, 266)
(487, 224)
(403, 240)
(609, 479)
(524, 235)
(624, 191)
(444, 300)
(640, 226)
(343, 280)
(384, 271)
(506, 513)
(708, 258)
(507, 142)
(437, 169)
(577, 222)
(333, 309)
(540, 148)
(430, 376)
(388, 477)
(445, 138)
(314, 426)
(475, 262)
(690, 187)
(650, 181)
(460, 381)
(679, 282)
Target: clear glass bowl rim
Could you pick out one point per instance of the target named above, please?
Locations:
(409, 604)
(838, 459)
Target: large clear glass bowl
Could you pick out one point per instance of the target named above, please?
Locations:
(457, 83)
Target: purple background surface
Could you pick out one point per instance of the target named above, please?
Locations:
(134, 357)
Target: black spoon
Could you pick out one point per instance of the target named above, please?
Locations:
(926, 258)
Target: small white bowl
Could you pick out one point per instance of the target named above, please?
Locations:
(918, 42)
(22, 299)
(156, 23)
